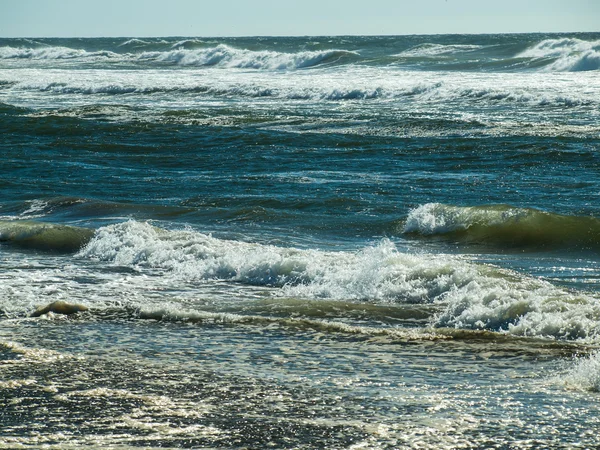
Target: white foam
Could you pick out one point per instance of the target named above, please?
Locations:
(437, 218)
(432, 50)
(229, 57)
(571, 54)
(52, 53)
(184, 87)
(584, 374)
(378, 272)
(134, 42)
(472, 296)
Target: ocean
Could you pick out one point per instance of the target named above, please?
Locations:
(351, 242)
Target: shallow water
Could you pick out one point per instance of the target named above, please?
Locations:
(333, 242)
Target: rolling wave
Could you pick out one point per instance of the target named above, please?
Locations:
(504, 226)
(229, 57)
(347, 88)
(469, 296)
(566, 54)
(434, 50)
(556, 54)
(44, 236)
(53, 53)
(220, 56)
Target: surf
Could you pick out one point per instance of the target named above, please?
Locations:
(468, 296)
(44, 236)
(503, 226)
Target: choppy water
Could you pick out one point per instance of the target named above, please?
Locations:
(332, 242)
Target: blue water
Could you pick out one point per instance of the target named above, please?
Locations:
(318, 242)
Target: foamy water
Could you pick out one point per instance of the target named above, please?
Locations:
(332, 242)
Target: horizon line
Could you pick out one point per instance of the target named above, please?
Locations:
(293, 35)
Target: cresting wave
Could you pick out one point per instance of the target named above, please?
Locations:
(566, 54)
(44, 236)
(351, 86)
(53, 53)
(434, 50)
(220, 56)
(504, 226)
(559, 54)
(229, 57)
(470, 296)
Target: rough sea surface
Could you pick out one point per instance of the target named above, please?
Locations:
(324, 242)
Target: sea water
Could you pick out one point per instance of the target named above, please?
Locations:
(316, 242)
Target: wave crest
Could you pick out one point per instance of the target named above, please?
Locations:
(434, 50)
(44, 236)
(585, 374)
(53, 53)
(569, 54)
(229, 57)
(503, 225)
(185, 55)
(468, 296)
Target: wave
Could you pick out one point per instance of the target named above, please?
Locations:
(468, 296)
(476, 54)
(566, 54)
(435, 50)
(226, 56)
(584, 375)
(315, 90)
(221, 55)
(504, 226)
(135, 42)
(44, 236)
(53, 53)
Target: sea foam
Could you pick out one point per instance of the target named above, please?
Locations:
(52, 53)
(471, 296)
(230, 57)
(570, 54)
(584, 373)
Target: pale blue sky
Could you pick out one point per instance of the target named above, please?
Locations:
(58, 18)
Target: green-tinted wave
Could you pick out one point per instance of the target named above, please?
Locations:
(44, 236)
(504, 226)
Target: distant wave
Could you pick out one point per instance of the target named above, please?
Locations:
(566, 54)
(559, 54)
(434, 50)
(504, 226)
(53, 53)
(315, 89)
(219, 56)
(226, 56)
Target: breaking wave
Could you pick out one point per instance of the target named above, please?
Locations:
(558, 54)
(53, 53)
(585, 374)
(435, 50)
(226, 56)
(566, 54)
(469, 296)
(504, 226)
(219, 56)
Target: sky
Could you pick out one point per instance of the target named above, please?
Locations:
(98, 18)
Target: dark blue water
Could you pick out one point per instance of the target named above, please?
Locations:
(325, 242)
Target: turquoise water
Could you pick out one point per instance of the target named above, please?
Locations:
(325, 242)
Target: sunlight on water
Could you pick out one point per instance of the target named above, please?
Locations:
(351, 242)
